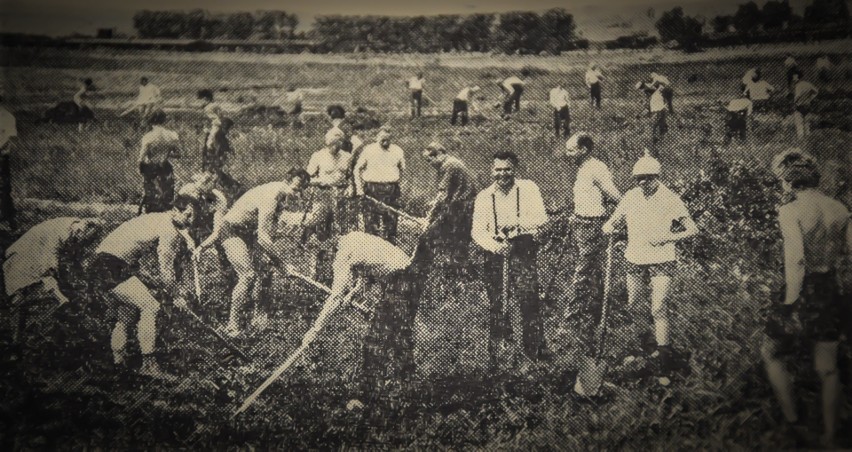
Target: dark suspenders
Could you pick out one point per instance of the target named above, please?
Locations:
(517, 208)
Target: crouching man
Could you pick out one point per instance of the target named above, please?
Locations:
(31, 263)
(817, 234)
(114, 274)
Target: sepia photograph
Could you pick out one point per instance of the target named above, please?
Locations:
(502, 225)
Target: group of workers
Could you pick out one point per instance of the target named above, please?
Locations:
(490, 235)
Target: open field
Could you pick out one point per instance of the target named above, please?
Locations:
(728, 274)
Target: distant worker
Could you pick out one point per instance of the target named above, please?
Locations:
(736, 119)
(804, 94)
(759, 92)
(291, 103)
(415, 88)
(513, 88)
(662, 83)
(593, 82)
(148, 101)
(462, 103)
(823, 67)
(158, 145)
(560, 100)
(791, 67)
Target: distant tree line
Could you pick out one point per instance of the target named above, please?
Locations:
(751, 24)
(200, 24)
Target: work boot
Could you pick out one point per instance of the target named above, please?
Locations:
(151, 369)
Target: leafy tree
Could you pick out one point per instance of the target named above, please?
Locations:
(721, 23)
(827, 12)
(474, 32)
(520, 30)
(748, 18)
(673, 25)
(775, 14)
(239, 25)
(559, 27)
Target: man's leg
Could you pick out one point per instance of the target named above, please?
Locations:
(372, 214)
(464, 114)
(118, 339)
(779, 379)
(133, 292)
(455, 114)
(526, 293)
(799, 121)
(492, 279)
(825, 364)
(587, 283)
(260, 291)
(659, 309)
(7, 204)
(516, 94)
(507, 103)
(556, 120)
(566, 122)
(149, 189)
(240, 259)
(167, 187)
(419, 102)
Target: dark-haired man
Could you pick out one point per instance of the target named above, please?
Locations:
(506, 217)
(158, 145)
(247, 235)
(817, 235)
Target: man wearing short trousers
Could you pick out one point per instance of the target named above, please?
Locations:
(817, 235)
(656, 219)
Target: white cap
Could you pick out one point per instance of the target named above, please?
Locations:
(791, 157)
(571, 146)
(646, 165)
(334, 134)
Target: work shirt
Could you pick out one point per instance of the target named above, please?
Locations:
(521, 207)
(36, 253)
(657, 102)
(149, 94)
(415, 83)
(814, 227)
(593, 181)
(8, 129)
(748, 78)
(328, 169)
(804, 92)
(648, 220)
(377, 164)
(455, 180)
(507, 84)
(559, 98)
(158, 145)
(464, 94)
(593, 76)
(759, 90)
(82, 96)
(740, 105)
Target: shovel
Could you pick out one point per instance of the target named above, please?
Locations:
(593, 369)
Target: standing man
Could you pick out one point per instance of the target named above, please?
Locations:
(114, 274)
(759, 91)
(560, 100)
(329, 171)
(659, 115)
(804, 94)
(415, 87)
(749, 77)
(656, 219)
(31, 264)
(377, 174)
(791, 67)
(662, 83)
(158, 185)
(506, 217)
(461, 104)
(8, 130)
(247, 236)
(817, 234)
(512, 88)
(149, 99)
(291, 102)
(593, 188)
(593, 82)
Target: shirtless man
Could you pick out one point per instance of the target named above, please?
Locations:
(246, 236)
(114, 272)
(31, 263)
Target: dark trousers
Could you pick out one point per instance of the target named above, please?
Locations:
(7, 205)
(523, 287)
(668, 96)
(586, 292)
(158, 185)
(562, 119)
(378, 221)
(513, 100)
(416, 102)
(595, 95)
(735, 126)
(459, 109)
(659, 126)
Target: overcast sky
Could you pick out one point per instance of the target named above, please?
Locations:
(594, 17)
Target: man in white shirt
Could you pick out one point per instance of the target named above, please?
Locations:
(817, 236)
(247, 236)
(560, 100)
(662, 83)
(513, 88)
(750, 76)
(8, 130)
(736, 119)
(659, 114)
(415, 87)
(329, 171)
(158, 145)
(759, 91)
(593, 82)
(149, 98)
(656, 219)
(377, 174)
(804, 94)
(593, 189)
(461, 104)
(506, 218)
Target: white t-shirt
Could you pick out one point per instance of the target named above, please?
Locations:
(559, 97)
(36, 253)
(648, 220)
(8, 127)
(149, 94)
(748, 78)
(327, 169)
(415, 83)
(593, 76)
(512, 81)
(159, 144)
(593, 180)
(464, 94)
(759, 90)
(380, 165)
(658, 103)
(741, 104)
(521, 207)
